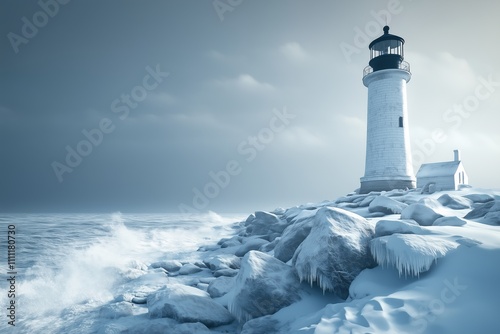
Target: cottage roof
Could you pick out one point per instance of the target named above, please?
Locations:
(447, 168)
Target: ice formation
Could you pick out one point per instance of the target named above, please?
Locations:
(411, 254)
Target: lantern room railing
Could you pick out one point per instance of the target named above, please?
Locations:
(404, 65)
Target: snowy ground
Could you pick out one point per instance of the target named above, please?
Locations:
(390, 262)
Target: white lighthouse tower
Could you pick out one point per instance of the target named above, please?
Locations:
(388, 157)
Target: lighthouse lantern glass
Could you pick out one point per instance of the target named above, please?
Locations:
(388, 46)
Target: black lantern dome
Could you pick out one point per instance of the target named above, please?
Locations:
(386, 51)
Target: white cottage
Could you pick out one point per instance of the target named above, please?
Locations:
(443, 175)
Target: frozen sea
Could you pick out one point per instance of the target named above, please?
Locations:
(69, 265)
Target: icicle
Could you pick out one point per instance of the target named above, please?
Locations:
(410, 254)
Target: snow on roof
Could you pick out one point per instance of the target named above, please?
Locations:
(438, 169)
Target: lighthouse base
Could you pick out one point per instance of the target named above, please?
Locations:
(385, 185)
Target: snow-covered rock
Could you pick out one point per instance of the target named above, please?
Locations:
(222, 261)
(388, 227)
(230, 242)
(200, 264)
(118, 310)
(493, 215)
(335, 251)
(190, 328)
(187, 304)
(264, 223)
(206, 280)
(455, 202)
(348, 205)
(226, 272)
(480, 210)
(449, 221)
(410, 254)
(220, 286)
(367, 200)
(292, 237)
(263, 286)
(480, 198)
(169, 265)
(189, 269)
(266, 324)
(278, 211)
(352, 198)
(269, 246)
(421, 213)
(249, 219)
(386, 205)
(373, 214)
(291, 213)
(435, 205)
(250, 244)
(162, 326)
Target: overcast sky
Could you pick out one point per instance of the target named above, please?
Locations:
(269, 92)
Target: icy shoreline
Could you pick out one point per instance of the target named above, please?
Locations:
(398, 262)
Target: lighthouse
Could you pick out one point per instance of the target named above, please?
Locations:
(388, 162)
